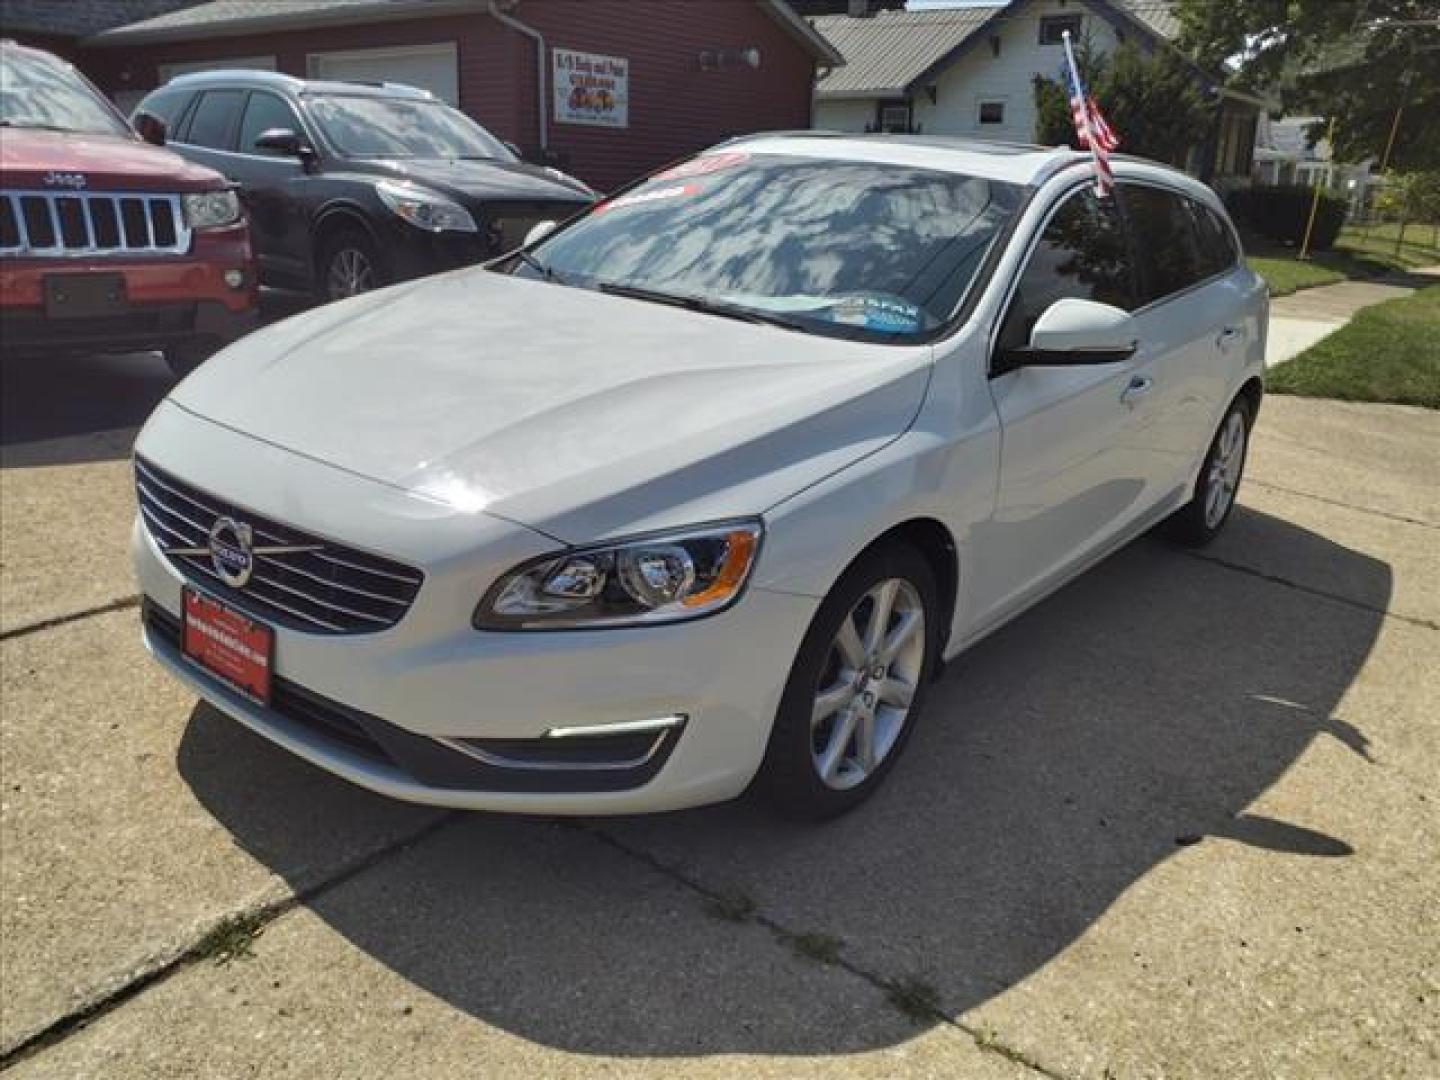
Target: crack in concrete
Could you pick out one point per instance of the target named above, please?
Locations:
(1359, 605)
(984, 1039)
(122, 604)
(1345, 505)
(263, 914)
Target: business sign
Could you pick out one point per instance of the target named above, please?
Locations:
(591, 89)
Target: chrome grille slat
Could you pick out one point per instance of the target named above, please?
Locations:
(47, 203)
(352, 597)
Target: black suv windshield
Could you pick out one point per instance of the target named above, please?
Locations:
(365, 126)
(37, 92)
(849, 248)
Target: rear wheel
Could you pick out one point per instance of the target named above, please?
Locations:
(1202, 518)
(349, 264)
(856, 688)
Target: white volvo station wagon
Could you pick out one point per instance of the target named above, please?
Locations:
(694, 493)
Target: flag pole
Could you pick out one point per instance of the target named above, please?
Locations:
(1080, 89)
(1315, 201)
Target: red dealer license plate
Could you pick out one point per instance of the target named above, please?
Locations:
(229, 645)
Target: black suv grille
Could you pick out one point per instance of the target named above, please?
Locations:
(330, 590)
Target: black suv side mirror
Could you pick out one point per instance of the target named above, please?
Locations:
(284, 141)
(149, 127)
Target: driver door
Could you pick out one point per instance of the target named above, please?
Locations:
(1076, 467)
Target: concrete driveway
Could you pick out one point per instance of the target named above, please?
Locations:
(1181, 820)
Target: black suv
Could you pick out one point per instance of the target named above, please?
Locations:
(350, 186)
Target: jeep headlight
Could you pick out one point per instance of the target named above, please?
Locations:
(424, 209)
(211, 209)
(653, 579)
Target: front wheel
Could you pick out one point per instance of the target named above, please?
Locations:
(349, 264)
(856, 688)
(1200, 520)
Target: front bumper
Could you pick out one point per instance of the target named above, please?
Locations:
(432, 680)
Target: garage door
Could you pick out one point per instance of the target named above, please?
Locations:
(185, 67)
(430, 67)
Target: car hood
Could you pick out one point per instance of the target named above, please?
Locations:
(482, 180)
(107, 163)
(573, 412)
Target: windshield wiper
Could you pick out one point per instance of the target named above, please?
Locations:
(546, 272)
(32, 126)
(699, 303)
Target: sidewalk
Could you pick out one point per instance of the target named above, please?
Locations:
(1301, 319)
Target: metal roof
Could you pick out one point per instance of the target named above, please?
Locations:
(887, 52)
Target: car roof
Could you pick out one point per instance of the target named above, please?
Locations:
(1016, 163)
(275, 80)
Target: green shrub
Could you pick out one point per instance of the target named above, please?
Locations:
(1281, 212)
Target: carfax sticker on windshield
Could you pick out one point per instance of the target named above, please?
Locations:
(640, 198)
(887, 314)
(703, 165)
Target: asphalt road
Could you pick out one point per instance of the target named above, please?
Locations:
(1180, 820)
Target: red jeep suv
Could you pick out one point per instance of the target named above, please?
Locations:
(107, 243)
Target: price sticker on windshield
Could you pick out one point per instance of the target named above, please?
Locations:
(650, 195)
(703, 165)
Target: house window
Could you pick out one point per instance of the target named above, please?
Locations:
(992, 112)
(895, 118)
(1053, 26)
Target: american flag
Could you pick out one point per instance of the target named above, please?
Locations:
(1091, 127)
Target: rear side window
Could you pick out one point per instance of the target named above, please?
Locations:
(168, 104)
(1217, 244)
(263, 113)
(213, 122)
(1167, 239)
(1083, 255)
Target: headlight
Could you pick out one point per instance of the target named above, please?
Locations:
(652, 579)
(425, 209)
(211, 209)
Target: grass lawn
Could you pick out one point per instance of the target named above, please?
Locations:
(1389, 352)
(1357, 254)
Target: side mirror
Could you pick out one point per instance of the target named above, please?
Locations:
(1071, 332)
(284, 141)
(149, 127)
(539, 231)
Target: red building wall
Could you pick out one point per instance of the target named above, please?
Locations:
(675, 107)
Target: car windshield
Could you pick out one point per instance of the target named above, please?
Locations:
(38, 92)
(364, 126)
(848, 248)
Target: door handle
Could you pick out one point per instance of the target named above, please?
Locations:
(1228, 336)
(1138, 387)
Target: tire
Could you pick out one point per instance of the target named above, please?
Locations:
(184, 357)
(347, 264)
(794, 777)
(1200, 520)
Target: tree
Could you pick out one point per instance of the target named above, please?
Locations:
(1354, 60)
(1413, 196)
(1155, 103)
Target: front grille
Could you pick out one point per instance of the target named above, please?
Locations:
(88, 224)
(331, 590)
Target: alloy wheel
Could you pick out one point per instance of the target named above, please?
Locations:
(871, 674)
(1225, 467)
(351, 273)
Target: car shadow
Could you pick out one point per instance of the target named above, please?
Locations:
(72, 409)
(1140, 710)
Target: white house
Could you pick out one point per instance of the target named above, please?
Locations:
(969, 71)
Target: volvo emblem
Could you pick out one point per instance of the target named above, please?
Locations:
(232, 551)
(72, 180)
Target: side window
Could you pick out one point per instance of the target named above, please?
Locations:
(213, 122)
(1167, 238)
(1217, 244)
(265, 111)
(167, 103)
(1082, 254)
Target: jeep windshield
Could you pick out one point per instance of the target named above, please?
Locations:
(37, 92)
(367, 126)
(857, 249)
